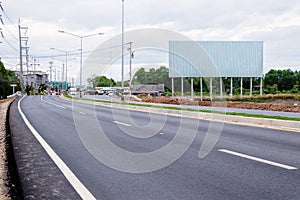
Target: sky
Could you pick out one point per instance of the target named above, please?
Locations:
(275, 22)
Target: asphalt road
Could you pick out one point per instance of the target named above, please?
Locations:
(246, 162)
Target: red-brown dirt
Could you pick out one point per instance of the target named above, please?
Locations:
(285, 107)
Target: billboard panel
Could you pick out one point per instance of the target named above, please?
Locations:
(216, 59)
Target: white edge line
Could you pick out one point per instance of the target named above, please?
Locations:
(52, 103)
(258, 159)
(83, 192)
(121, 123)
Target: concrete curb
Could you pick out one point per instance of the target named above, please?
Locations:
(284, 125)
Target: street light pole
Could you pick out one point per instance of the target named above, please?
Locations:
(80, 81)
(122, 45)
(81, 38)
(66, 69)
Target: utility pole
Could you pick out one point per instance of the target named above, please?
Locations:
(23, 42)
(62, 75)
(21, 64)
(35, 64)
(55, 75)
(130, 64)
(50, 71)
(27, 63)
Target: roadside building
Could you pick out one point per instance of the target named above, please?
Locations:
(154, 90)
(34, 78)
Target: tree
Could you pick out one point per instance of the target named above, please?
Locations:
(119, 84)
(154, 76)
(28, 88)
(101, 81)
(287, 80)
(284, 79)
(271, 78)
(7, 78)
(161, 76)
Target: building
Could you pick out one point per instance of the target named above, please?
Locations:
(154, 90)
(34, 78)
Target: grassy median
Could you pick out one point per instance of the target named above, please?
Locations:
(189, 109)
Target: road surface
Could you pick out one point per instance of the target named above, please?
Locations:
(246, 162)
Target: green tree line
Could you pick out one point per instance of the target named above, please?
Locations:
(282, 81)
(7, 78)
(101, 81)
(275, 81)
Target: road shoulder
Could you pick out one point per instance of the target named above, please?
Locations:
(39, 176)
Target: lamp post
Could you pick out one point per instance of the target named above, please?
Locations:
(122, 46)
(66, 52)
(81, 37)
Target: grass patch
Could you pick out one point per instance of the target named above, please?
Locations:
(190, 109)
(68, 96)
(264, 98)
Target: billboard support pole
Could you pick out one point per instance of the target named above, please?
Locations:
(192, 88)
(201, 90)
(231, 87)
(261, 85)
(241, 88)
(210, 88)
(182, 86)
(221, 88)
(172, 87)
(250, 87)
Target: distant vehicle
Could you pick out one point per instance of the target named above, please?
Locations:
(74, 91)
(105, 90)
(99, 90)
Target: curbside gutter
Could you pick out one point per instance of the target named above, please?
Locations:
(277, 124)
(9, 179)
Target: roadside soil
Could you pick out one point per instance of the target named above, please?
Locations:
(271, 106)
(5, 192)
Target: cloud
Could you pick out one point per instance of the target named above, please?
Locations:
(275, 22)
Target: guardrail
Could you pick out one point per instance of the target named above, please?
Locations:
(14, 95)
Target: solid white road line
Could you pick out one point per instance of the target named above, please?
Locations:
(121, 123)
(258, 159)
(70, 176)
(52, 103)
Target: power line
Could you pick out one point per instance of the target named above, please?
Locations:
(9, 21)
(9, 42)
(2, 9)
(86, 52)
(11, 33)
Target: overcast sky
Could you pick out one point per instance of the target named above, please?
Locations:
(276, 22)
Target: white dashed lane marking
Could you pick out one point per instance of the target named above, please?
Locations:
(258, 159)
(121, 123)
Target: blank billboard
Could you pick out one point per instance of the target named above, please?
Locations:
(216, 59)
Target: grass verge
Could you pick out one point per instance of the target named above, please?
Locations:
(189, 109)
